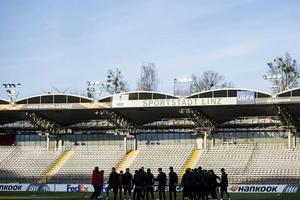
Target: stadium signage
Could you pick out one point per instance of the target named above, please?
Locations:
(175, 102)
(77, 188)
(13, 187)
(89, 188)
(188, 102)
(182, 102)
(49, 106)
(245, 97)
(256, 188)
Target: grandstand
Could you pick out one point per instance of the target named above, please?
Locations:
(162, 156)
(60, 138)
(273, 163)
(5, 152)
(234, 158)
(77, 168)
(26, 163)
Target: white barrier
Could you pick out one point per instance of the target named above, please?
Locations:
(238, 188)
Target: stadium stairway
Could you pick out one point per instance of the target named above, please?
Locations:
(127, 160)
(192, 161)
(56, 166)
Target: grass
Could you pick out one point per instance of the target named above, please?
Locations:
(81, 196)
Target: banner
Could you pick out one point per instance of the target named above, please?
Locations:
(245, 97)
(56, 106)
(120, 100)
(241, 188)
(233, 188)
(15, 187)
(74, 188)
(174, 102)
(34, 187)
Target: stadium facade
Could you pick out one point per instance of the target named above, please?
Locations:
(208, 125)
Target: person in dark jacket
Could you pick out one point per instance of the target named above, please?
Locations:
(149, 181)
(205, 184)
(127, 183)
(187, 183)
(120, 183)
(113, 183)
(199, 182)
(173, 180)
(139, 183)
(162, 182)
(134, 180)
(224, 184)
(96, 181)
(212, 184)
(144, 178)
(101, 181)
(194, 187)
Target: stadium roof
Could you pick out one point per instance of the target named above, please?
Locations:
(140, 107)
(227, 92)
(3, 101)
(54, 98)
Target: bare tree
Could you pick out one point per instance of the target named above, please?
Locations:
(115, 82)
(285, 71)
(207, 81)
(148, 79)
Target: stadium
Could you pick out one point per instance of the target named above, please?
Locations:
(52, 142)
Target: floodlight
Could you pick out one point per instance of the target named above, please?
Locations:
(12, 91)
(95, 89)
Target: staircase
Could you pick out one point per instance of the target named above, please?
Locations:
(127, 161)
(192, 161)
(56, 166)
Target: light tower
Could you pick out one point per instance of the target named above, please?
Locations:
(94, 89)
(182, 86)
(275, 79)
(12, 91)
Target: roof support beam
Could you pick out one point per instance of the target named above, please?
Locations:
(286, 117)
(118, 120)
(44, 124)
(203, 122)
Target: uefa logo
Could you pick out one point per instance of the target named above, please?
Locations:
(38, 187)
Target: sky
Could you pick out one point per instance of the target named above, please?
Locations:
(61, 44)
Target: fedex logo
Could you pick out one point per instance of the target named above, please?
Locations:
(78, 188)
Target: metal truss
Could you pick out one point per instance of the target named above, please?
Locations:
(202, 122)
(120, 122)
(287, 118)
(45, 125)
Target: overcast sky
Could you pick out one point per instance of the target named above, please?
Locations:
(47, 44)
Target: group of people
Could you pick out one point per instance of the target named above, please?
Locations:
(197, 184)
